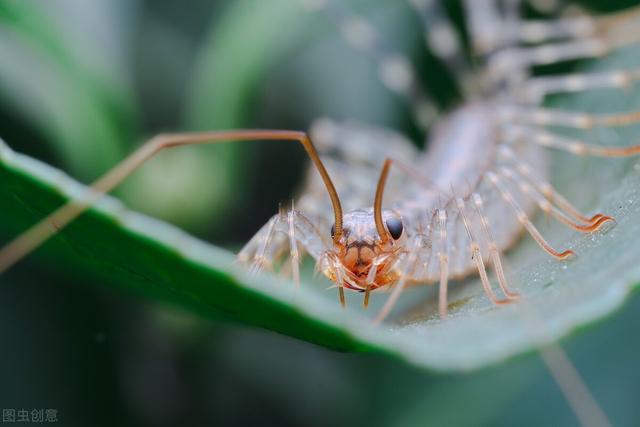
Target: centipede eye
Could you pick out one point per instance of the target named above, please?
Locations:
(395, 227)
(333, 231)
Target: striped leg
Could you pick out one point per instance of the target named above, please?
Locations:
(558, 29)
(546, 206)
(538, 88)
(571, 145)
(484, 21)
(443, 40)
(476, 255)
(569, 119)
(264, 248)
(494, 252)
(443, 257)
(517, 58)
(524, 219)
(549, 192)
(284, 230)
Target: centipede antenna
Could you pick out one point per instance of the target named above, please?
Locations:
(39, 233)
(377, 204)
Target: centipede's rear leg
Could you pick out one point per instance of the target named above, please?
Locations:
(524, 219)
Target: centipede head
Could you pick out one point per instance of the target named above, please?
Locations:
(361, 258)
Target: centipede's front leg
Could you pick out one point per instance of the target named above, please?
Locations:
(289, 233)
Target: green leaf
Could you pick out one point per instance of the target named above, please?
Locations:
(63, 70)
(156, 259)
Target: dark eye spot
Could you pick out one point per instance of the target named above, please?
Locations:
(394, 225)
(333, 231)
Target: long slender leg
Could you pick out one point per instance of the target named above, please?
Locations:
(443, 257)
(443, 40)
(548, 190)
(395, 70)
(622, 28)
(494, 252)
(537, 88)
(476, 255)
(524, 219)
(517, 58)
(571, 145)
(261, 252)
(294, 253)
(607, 36)
(287, 229)
(39, 233)
(617, 29)
(546, 206)
(484, 21)
(532, 31)
(570, 119)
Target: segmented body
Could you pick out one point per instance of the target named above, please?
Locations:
(463, 149)
(466, 198)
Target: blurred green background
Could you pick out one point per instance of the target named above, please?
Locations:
(83, 82)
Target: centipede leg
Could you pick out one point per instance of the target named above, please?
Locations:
(476, 255)
(261, 252)
(570, 145)
(494, 252)
(546, 206)
(443, 257)
(268, 246)
(294, 253)
(525, 221)
(395, 70)
(549, 192)
(443, 40)
(406, 271)
(569, 119)
(539, 87)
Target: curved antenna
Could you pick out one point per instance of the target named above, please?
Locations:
(377, 203)
(50, 225)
